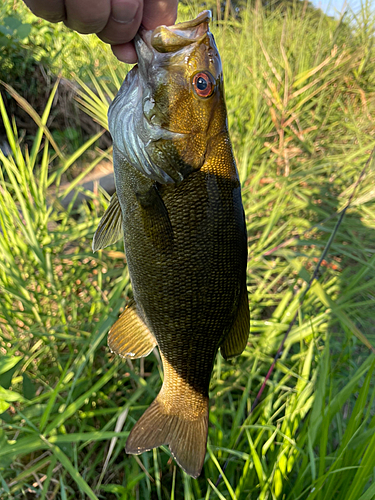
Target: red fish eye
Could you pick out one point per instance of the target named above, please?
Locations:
(203, 84)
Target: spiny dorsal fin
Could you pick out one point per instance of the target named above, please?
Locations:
(110, 226)
(236, 340)
(129, 337)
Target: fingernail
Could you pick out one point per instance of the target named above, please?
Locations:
(124, 12)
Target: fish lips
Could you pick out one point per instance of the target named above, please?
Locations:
(155, 48)
(170, 39)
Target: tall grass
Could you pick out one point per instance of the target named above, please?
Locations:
(300, 102)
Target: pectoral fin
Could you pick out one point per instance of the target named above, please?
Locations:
(110, 227)
(129, 336)
(235, 342)
(155, 218)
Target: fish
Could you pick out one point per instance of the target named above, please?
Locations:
(178, 207)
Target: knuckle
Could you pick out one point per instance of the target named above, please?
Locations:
(52, 15)
(87, 25)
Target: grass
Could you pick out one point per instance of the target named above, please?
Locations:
(300, 96)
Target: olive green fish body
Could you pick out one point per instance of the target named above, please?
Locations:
(185, 243)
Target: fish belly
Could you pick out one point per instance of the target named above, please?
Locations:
(188, 292)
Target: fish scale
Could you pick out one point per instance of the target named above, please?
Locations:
(179, 198)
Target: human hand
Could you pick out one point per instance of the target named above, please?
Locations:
(114, 21)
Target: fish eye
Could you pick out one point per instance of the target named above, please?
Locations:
(203, 84)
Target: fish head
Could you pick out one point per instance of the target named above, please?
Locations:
(175, 101)
(181, 73)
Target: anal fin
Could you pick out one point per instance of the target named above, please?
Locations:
(236, 340)
(110, 226)
(130, 337)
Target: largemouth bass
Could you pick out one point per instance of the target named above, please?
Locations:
(178, 204)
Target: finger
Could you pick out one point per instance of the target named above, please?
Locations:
(157, 12)
(125, 53)
(87, 16)
(124, 21)
(51, 10)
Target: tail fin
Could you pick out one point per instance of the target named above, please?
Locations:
(187, 439)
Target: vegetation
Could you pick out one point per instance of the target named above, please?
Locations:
(33, 53)
(300, 90)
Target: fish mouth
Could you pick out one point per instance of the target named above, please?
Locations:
(156, 50)
(169, 39)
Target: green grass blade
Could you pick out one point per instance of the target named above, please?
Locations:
(81, 483)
